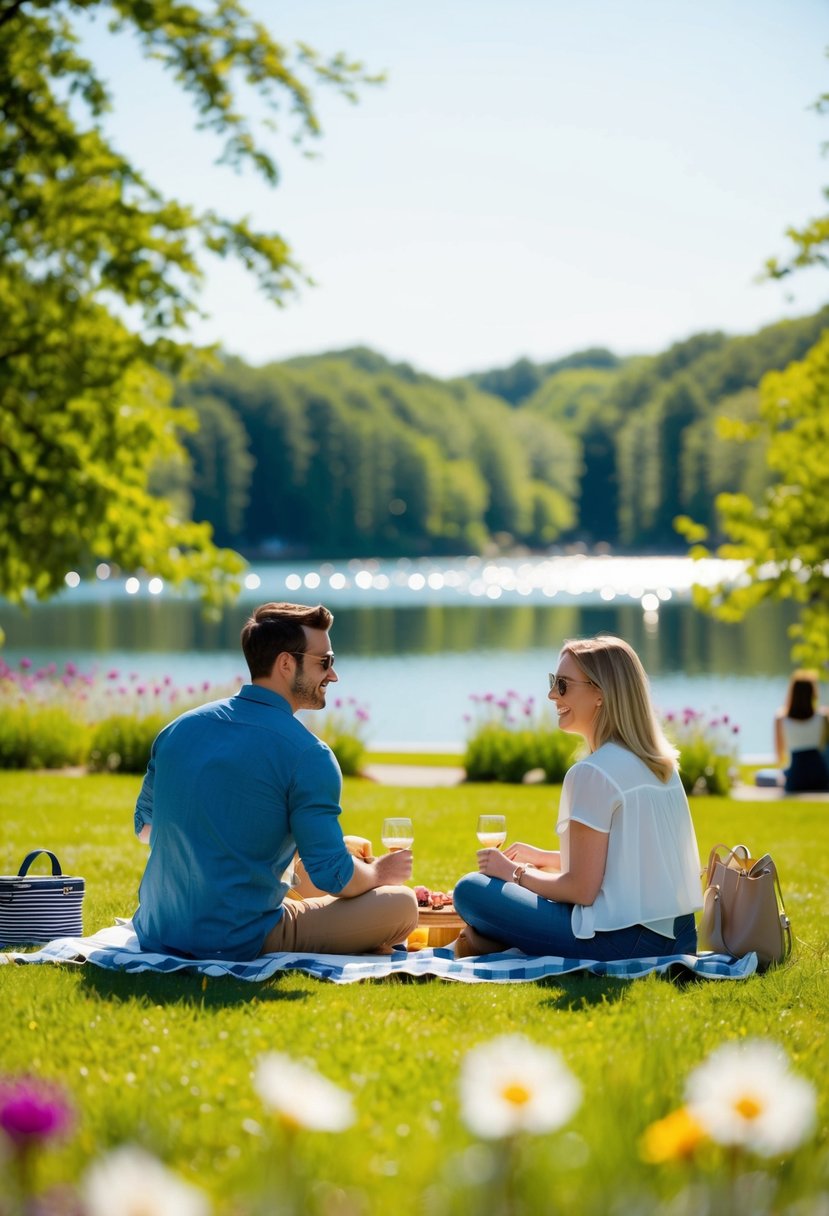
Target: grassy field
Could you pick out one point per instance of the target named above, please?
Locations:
(167, 1062)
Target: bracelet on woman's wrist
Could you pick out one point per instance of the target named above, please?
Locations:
(518, 873)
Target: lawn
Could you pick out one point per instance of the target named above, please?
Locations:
(167, 1061)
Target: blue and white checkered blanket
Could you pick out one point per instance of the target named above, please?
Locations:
(117, 949)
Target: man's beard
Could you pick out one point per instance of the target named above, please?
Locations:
(307, 693)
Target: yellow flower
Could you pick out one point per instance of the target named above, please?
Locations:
(674, 1138)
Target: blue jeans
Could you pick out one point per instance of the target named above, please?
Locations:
(510, 914)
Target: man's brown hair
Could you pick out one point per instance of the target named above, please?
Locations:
(274, 628)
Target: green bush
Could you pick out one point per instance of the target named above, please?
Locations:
(121, 744)
(507, 742)
(41, 737)
(343, 728)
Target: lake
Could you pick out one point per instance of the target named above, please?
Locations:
(415, 638)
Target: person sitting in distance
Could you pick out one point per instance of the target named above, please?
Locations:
(801, 731)
(234, 791)
(626, 880)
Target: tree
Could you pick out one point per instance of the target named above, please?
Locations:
(100, 273)
(784, 538)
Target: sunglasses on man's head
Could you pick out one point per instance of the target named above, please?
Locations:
(559, 683)
(325, 660)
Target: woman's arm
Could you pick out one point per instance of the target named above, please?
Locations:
(580, 884)
(779, 741)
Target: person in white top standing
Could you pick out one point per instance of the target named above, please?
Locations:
(625, 882)
(801, 731)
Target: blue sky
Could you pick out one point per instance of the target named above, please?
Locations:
(536, 177)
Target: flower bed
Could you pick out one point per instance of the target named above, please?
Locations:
(106, 721)
(510, 740)
(707, 750)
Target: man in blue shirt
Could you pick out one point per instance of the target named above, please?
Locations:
(234, 790)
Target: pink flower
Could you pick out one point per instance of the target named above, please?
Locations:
(112, 675)
(25, 664)
(70, 669)
(32, 1111)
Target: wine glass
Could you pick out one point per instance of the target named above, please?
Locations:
(397, 834)
(492, 831)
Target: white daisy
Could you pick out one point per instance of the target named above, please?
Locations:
(130, 1182)
(301, 1096)
(511, 1085)
(745, 1094)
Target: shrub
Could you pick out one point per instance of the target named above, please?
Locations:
(122, 743)
(707, 750)
(51, 718)
(508, 741)
(41, 737)
(343, 728)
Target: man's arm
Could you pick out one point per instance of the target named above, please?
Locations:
(387, 871)
(143, 817)
(314, 820)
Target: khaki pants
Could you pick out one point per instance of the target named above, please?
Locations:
(373, 921)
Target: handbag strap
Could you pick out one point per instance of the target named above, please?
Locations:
(714, 857)
(30, 857)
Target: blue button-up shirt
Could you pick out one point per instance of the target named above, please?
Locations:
(232, 790)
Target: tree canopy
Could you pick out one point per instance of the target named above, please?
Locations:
(783, 535)
(100, 273)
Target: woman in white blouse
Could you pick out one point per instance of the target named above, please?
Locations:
(626, 881)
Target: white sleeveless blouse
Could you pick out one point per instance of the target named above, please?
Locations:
(653, 868)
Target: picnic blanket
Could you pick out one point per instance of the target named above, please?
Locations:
(117, 949)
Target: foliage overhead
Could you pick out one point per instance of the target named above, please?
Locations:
(780, 528)
(100, 274)
(783, 538)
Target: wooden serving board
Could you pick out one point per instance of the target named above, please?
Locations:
(443, 925)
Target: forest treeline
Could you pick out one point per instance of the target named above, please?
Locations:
(348, 453)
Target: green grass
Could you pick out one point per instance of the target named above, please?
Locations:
(167, 1060)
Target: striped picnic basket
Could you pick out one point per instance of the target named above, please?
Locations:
(37, 908)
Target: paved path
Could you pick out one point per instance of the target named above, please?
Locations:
(423, 775)
(759, 793)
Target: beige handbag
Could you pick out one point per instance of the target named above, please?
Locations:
(743, 907)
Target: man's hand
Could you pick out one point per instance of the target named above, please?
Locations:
(358, 846)
(394, 868)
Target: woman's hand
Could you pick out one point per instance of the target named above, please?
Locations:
(541, 859)
(528, 853)
(495, 864)
(358, 846)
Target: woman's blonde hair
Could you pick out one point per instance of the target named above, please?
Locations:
(626, 715)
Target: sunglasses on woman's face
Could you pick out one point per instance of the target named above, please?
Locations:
(560, 684)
